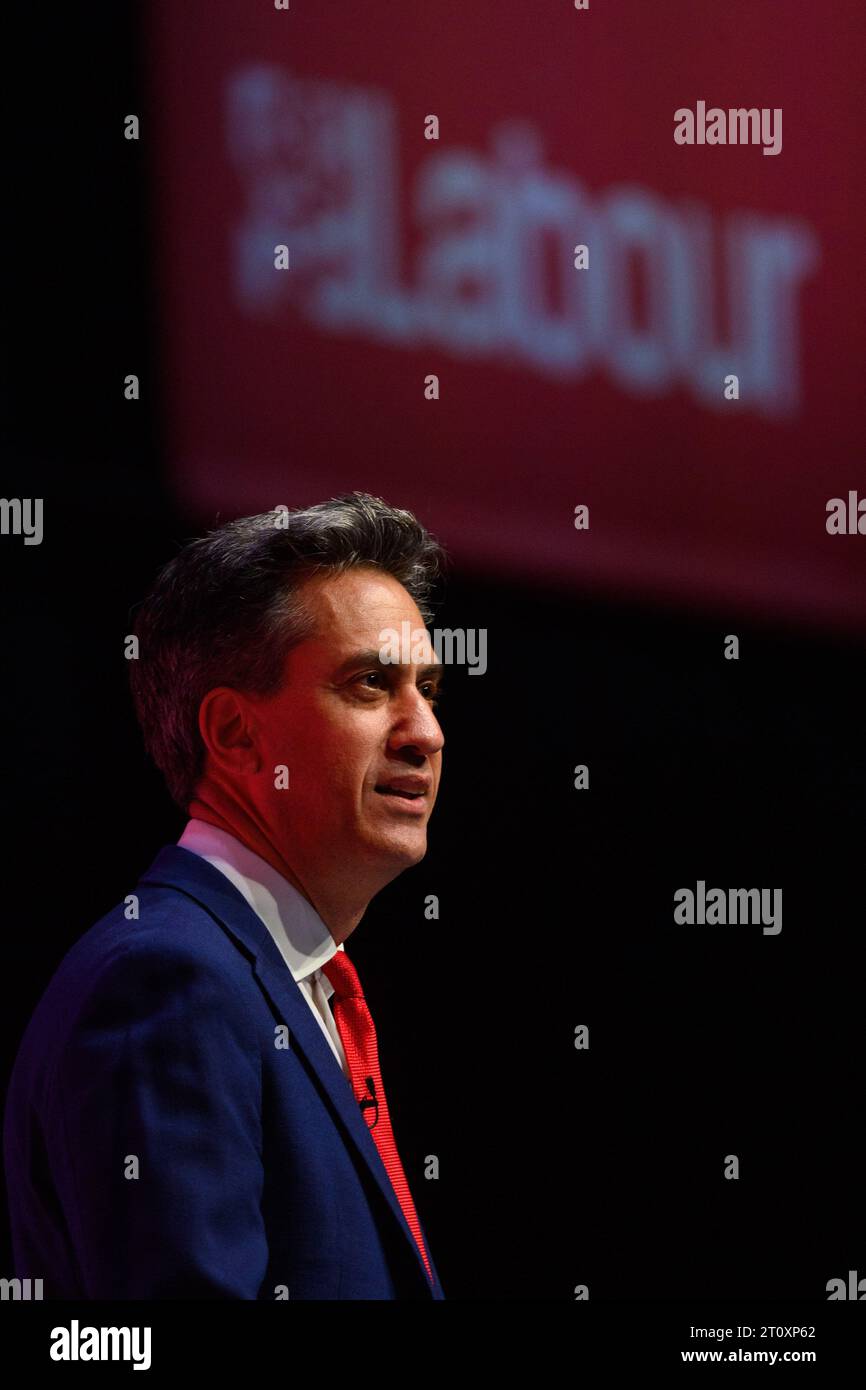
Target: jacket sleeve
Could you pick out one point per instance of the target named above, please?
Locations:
(158, 1112)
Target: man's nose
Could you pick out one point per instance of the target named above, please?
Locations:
(418, 726)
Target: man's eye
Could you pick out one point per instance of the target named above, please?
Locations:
(433, 697)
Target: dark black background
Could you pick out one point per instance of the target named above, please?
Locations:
(558, 1167)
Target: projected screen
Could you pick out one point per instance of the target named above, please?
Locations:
(580, 287)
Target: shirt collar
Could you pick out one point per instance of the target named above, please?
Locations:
(302, 938)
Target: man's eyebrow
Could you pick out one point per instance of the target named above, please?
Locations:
(373, 658)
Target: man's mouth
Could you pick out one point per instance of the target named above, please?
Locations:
(394, 791)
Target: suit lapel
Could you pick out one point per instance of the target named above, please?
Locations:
(188, 873)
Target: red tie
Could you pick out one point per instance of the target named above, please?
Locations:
(358, 1036)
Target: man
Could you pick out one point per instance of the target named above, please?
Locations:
(196, 1110)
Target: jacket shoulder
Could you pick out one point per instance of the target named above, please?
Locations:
(158, 953)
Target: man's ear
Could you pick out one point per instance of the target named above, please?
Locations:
(230, 731)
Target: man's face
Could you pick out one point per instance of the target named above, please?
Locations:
(347, 726)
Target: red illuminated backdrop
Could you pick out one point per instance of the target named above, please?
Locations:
(410, 257)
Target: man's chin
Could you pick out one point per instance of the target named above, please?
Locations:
(403, 850)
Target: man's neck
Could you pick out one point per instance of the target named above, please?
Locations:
(340, 917)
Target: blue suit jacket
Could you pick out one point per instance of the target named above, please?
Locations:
(158, 1144)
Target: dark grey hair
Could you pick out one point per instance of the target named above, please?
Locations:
(227, 609)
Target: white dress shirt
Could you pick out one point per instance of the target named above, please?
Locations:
(302, 939)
